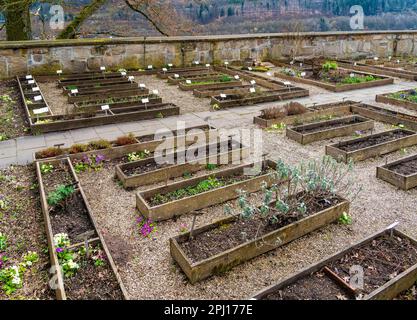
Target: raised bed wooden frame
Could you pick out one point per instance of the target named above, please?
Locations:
(345, 130)
(233, 89)
(404, 182)
(60, 290)
(106, 94)
(218, 85)
(389, 290)
(175, 170)
(384, 98)
(371, 151)
(203, 200)
(222, 262)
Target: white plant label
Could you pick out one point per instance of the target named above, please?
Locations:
(301, 64)
(35, 89)
(142, 85)
(292, 62)
(74, 91)
(103, 68)
(170, 65)
(105, 107)
(37, 98)
(28, 77)
(150, 66)
(223, 96)
(188, 81)
(237, 77)
(131, 78)
(376, 58)
(252, 90)
(208, 65)
(197, 62)
(123, 73)
(287, 83)
(176, 75)
(41, 110)
(355, 64)
(226, 63)
(269, 74)
(303, 74)
(155, 92)
(31, 81)
(164, 69)
(59, 71)
(146, 100)
(352, 75)
(253, 82)
(250, 68)
(398, 61)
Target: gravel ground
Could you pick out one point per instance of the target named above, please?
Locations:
(150, 273)
(54, 96)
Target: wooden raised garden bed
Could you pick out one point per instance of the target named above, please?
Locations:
(387, 68)
(209, 84)
(72, 216)
(98, 88)
(232, 89)
(224, 255)
(339, 87)
(106, 94)
(107, 84)
(372, 146)
(149, 171)
(147, 142)
(97, 118)
(384, 278)
(406, 99)
(331, 109)
(198, 76)
(97, 78)
(181, 71)
(135, 101)
(156, 204)
(401, 173)
(237, 100)
(385, 115)
(329, 129)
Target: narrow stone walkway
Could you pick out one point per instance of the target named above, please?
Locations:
(20, 150)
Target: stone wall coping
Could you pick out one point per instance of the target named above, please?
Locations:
(211, 38)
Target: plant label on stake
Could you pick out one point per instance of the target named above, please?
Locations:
(123, 73)
(288, 85)
(253, 82)
(237, 77)
(150, 67)
(188, 81)
(250, 68)
(74, 91)
(37, 98)
(164, 70)
(145, 101)
(105, 108)
(31, 82)
(269, 74)
(223, 95)
(29, 77)
(176, 76)
(131, 78)
(102, 68)
(226, 63)
(252, 90)
(303, 74)
(170, 65)
(35, 89)
(142, 85)
(352, 75)
(155, 92)
(37, 112)
(59, 73)
(196, 63)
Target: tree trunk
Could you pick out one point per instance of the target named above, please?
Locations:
(71, 30)
(18, 25)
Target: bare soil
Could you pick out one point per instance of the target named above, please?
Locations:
(405, 168)
(341, 123)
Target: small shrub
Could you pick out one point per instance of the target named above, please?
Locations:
(60, 194)
(78, 148)
(126, 140)
(295, 108)
(100, 144)
(274, 113)
(49, 153)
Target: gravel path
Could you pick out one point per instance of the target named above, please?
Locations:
(150, 272)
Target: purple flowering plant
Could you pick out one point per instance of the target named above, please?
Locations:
(146, 227)
(94, 162)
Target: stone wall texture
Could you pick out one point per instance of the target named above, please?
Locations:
(45, 57)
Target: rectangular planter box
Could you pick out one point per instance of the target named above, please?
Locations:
(267, 96)
(371, 151)
(59, 122)
(150, 144)
(103, 88)
(194, 76)
(86, 86)
(72, 98)
(175, 170)
(346, 129)
(386, 71)
(203, 200)
(384, 98)
(233, 89)
(90, 82)
(219, 85)
(402, 181)
(152, 101)
(60, 290)
(389, 290)
(339, 88)
(180, 71)
(331, 109)
(197, 271)
(385, 115)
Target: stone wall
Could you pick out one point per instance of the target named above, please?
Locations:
(45, 57)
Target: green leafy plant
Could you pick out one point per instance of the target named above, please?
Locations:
(330, 65)
(46, 168)
(65, 256)
(3, 242)
(345, 219)
(211, 166)
(136, 156)
(60, 194)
